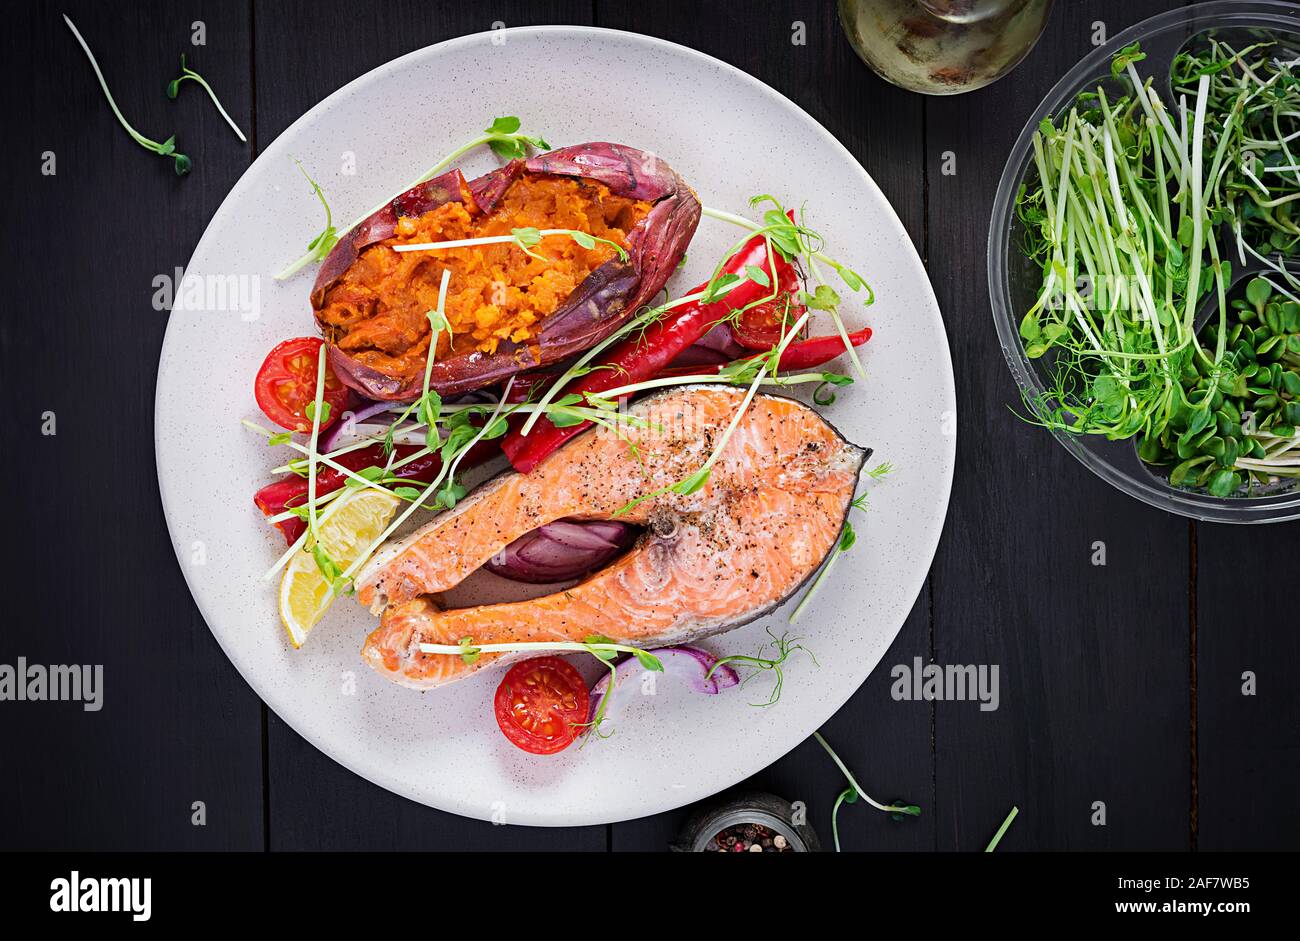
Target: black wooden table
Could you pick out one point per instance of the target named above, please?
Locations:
(1121, 684)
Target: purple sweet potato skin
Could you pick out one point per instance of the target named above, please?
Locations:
(450, 187)
(597, 307)
(617, 288)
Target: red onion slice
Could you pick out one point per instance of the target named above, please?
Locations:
(367, 409)
(560, 551)
(691, 664)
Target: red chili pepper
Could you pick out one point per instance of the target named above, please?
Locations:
(817, 351)
(805, 354)
(275, 498)
(646, 356)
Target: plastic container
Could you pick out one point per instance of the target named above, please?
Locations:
(1014, 280)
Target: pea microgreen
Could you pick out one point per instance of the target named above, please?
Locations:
(428, 406)
(469, 654)
(326, 239)
(897, 811)
(794, 240)
(180, 163)
(824, 394)
(522, 238)
(1130, 216)
(324, 408)
(769, 364)
(1237, 431)
(783, 647)
(502, 135)
(173, 87)
(758, 275)
(1006, 825)
(822, 298)
(600, 647)
(1127, 56)
(371, 474)
(317, 411)
(446, 473)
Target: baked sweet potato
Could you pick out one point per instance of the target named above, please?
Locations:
(508, 310)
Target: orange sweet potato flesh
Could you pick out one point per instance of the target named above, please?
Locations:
(508, 311)
(377, 311)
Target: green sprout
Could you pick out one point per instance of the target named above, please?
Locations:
(1006, 824)
(502, 135)
(187, 73)
(325, 240)
(850, 795)
(180, 163)
(784, 647)
(600, 647)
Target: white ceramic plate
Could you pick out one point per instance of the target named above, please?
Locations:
(442, 748)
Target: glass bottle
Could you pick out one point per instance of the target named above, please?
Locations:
(943, 47)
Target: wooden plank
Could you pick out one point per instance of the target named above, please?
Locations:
(881, 125)
(1248, 744)
(100, 582)
(315, 803)
(1094, 660)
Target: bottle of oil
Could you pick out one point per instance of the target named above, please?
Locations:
(943, 47)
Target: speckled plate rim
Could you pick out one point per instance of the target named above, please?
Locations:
(172, 487)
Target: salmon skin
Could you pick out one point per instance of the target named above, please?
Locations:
(708, 561)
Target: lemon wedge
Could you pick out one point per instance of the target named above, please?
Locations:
(344, 529)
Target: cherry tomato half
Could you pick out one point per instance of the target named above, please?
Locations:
(760, 327)
(286, 385)
(539, 703)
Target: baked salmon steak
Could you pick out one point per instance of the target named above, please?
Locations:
(767, 517)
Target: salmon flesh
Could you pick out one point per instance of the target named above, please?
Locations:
(769, 514)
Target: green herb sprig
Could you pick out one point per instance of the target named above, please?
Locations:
(783, 647)
(525, 239)
(850, 795)
(1143, 208)
(600, 647)
(502, 135)
(325, 240)
(1244, 432)
(173, 87)
(770, 363)
(180, 163)
(1002, 830)
(795, 240)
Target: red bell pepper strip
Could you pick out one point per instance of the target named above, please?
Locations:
(275, 498)
(805, 354)
(645, 356)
